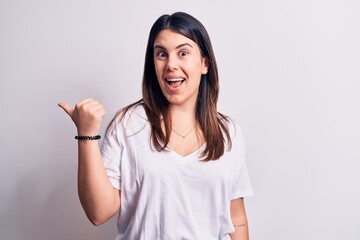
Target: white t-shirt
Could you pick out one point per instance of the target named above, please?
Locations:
(166, 196)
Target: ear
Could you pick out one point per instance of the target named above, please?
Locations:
(205, 66)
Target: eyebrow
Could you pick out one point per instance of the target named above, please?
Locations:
(177, 47)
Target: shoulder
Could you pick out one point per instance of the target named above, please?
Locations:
(133, 115)
(129, 120)
(236, 142)
(233, 127)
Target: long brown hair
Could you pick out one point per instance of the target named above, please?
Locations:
(212, 123)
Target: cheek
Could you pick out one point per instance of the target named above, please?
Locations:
(195, 69)
(160, 65)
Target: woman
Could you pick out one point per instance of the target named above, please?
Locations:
(170, 163)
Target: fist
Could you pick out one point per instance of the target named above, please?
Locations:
(87, 116)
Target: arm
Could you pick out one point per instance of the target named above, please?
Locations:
(239, 219)
(97, 195)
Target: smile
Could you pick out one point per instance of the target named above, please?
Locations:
(175, 82)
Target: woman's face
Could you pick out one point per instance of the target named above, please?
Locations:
(179, 66)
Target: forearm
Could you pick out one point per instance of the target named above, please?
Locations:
(97, 195)
(241, 228)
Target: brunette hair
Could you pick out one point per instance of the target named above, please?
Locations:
(212, 123)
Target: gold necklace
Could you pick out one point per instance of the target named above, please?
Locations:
(183, 136)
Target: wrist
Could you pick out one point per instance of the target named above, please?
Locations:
(81, 132)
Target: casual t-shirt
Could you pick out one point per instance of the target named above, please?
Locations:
(165, 195)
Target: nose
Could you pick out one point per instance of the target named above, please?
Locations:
(172, 63)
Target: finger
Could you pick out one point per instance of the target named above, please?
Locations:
(97, 108)
(93, 105)
(84, 101)
(68, 109)
(87, 104)
(102, 112)
(90, 103)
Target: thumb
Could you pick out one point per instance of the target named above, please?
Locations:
(68, 109)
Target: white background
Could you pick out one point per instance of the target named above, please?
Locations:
(289, 73)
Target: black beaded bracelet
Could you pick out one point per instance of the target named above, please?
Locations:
(97, 137)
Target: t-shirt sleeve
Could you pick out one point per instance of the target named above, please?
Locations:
(241, 181)
(111, 150)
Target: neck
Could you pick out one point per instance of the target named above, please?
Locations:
(183, 116)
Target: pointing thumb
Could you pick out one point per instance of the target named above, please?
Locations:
(69, 110)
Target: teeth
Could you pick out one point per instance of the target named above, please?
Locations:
(174, 79)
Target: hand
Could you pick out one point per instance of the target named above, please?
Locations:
(87, 116)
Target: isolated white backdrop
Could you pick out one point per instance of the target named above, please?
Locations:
(289, 73)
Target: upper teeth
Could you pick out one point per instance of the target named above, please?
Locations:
(174, 79)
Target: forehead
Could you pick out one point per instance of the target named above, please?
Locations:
(169, 38)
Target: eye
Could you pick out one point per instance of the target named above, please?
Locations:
(161, 54)
(183, 53)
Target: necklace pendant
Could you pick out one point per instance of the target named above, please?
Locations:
(183, 136)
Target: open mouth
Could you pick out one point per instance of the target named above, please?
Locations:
(175, 82)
